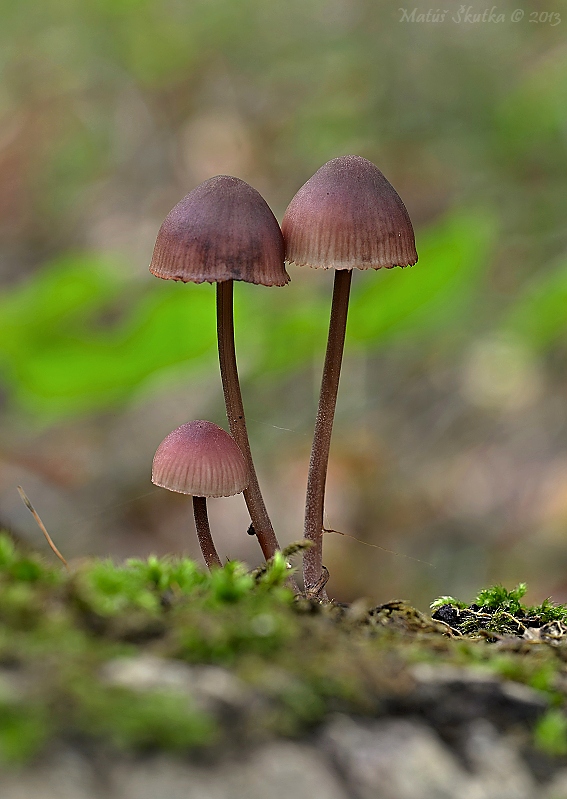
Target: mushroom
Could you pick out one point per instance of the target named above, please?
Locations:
(201, 459)
(222, 231)
(347, 216)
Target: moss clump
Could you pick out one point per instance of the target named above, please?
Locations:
(499, 611)
(288, 661)
(57, 632)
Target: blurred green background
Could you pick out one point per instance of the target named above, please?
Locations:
(450, 445)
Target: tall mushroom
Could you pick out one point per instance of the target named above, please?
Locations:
(347, 216)
(201, 459)
(223, 231)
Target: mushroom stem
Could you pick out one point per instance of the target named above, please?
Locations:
(204, 532)
(235, 413)
(315, 500)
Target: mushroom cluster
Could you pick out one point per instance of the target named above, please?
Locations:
(347, 216)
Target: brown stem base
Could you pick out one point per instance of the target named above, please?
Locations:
(315, 500)
(204, 532)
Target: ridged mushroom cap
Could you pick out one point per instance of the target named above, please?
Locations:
(348, 216)
(201, 459)
(222, 230)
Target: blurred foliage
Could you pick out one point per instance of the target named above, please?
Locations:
(531, 121)
(111, 111)
(61, 356)
(538, 315)
(98, 100)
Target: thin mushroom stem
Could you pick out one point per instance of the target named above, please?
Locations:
(315, 500)
(236, 420)
(204, 532)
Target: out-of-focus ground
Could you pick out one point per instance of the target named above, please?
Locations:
(450, 445)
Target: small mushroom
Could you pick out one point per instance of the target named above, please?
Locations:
(201, 459)
(223, 231)
(347, 216)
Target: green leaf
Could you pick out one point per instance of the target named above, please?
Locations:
(60, 359)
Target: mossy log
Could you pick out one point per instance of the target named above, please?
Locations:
(159, 662)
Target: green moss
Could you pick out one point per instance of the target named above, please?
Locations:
(499, 598)
(500, 611)
(298, 658)
(156, 719)
(551, 733)
(548, 612)
(109, 590)
(441, 601)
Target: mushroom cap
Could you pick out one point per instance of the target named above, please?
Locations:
(348, 216)
(222, 230)
(201, 459)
